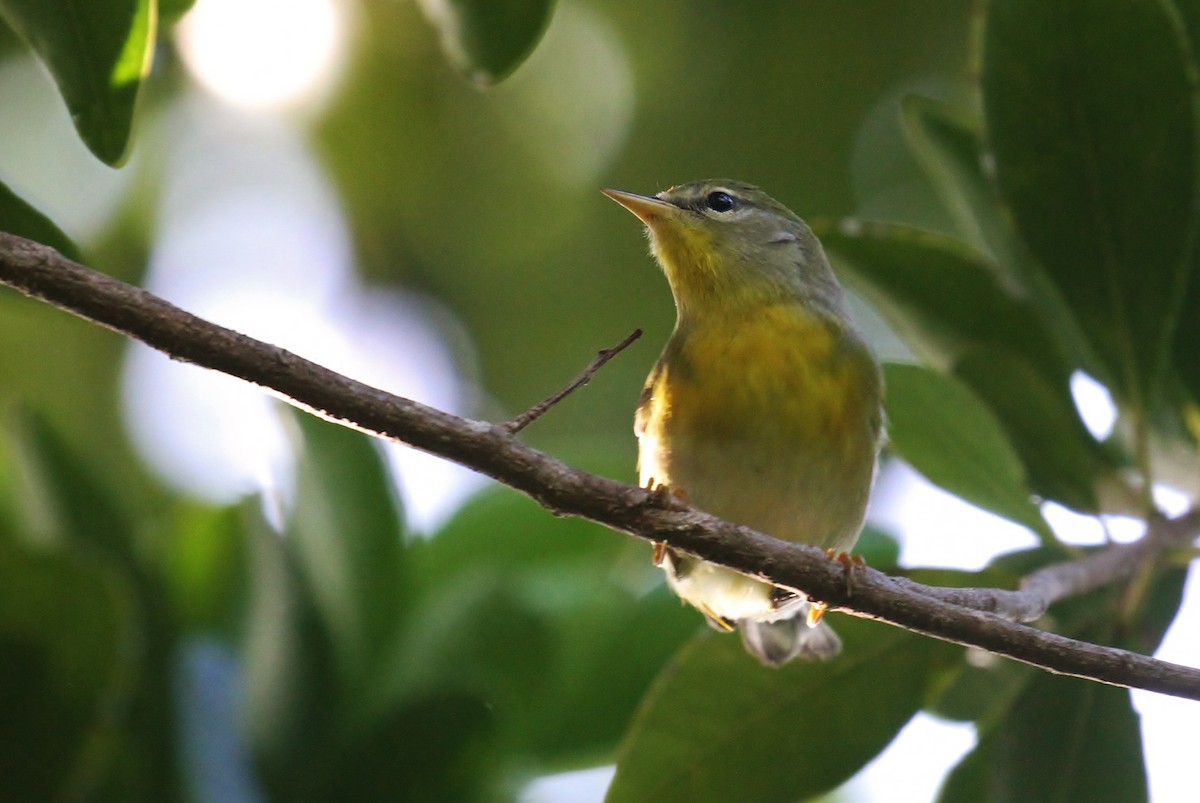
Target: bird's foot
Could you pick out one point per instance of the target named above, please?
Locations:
(665, 496)
(849, 564)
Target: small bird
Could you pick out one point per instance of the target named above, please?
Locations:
(765, 406)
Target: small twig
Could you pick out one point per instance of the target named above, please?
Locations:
(538, 410)
(1041, 589)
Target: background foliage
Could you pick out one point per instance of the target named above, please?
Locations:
(1030, 173)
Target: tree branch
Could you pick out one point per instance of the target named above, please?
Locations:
(490, 449)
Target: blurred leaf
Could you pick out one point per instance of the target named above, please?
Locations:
(345, 528)
(64, 500)
(21, 219)
(170, 11)
(879, 549)
(982, 690)
(1104, 198)
(507, 533)
(610, 651)
(68, 649)
(1143, 630)
(291, 693)
(717, 726)
(434, 748)
(535, 613)
(98, 52)
(939, 426)
(487, 40)
(946, 302)
(1064, 739)
(475, 637)
(205, 569)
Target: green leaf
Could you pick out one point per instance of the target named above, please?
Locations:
(719, 727)
(538, 614)
(947, 303)
(1097, 162)
(64, 500)
(947, 143)
(1064, 462)
(608, 654)
(171, 10)
(205, 569)
(1064, 739)
(939, 426)
(941, 296)
(21, 219)
(346, 531)
(292, 697)
(99, 52)
(487, 40)
(433, 748)
(68, 645)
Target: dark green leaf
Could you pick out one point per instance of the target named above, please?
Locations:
(487, 40)
(1097, 162)
(1063, 461)
(21, 219)
(609, 652)
(98, 52)
(947, 143)
(939, 426)
(290, 680)
(434, 748)
(947, 303)
(719, 727)
(879, 549)
(535, 612)
(61, 498)
(67, 673)
(1064, 739)
(171, 10)
(346, 531)
(939, 294)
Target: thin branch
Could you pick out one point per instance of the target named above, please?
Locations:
(1048, 585)
(490, 449)
(538, 410)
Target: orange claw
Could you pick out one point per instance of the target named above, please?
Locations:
(849, 563)
(660, 553)
(816, 610)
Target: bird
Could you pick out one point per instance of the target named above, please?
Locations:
(765, 407)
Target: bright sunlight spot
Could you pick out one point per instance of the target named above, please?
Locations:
(1095, 405)
(913, 765)
(264, 54)
(937, 528)
(267, 254)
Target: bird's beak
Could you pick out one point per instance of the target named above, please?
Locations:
(648, 208)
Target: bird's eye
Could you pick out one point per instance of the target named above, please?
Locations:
(720, 201)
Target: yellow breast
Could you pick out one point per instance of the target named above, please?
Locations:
(771, 420)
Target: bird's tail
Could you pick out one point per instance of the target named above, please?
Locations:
(776, 643)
